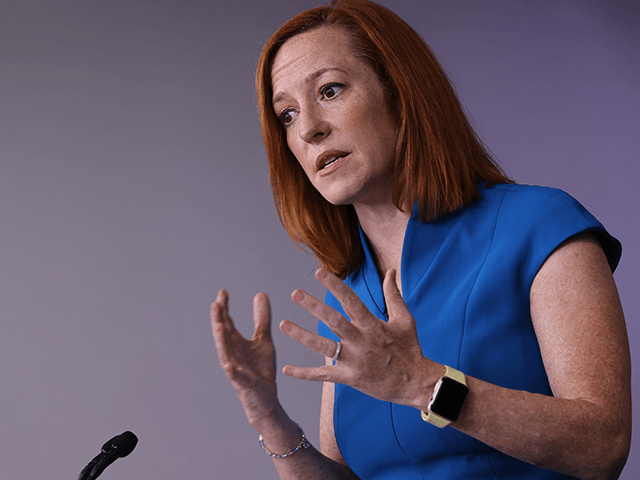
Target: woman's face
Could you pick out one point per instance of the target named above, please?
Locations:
(337, 122)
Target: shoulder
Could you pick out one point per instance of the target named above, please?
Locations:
(521, 206)
(539, 219)
(532, 199)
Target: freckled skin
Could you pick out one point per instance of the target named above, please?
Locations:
(333, 102)
(351, 117)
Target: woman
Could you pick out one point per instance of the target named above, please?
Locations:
(477, 332)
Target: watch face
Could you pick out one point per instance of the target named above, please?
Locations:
(449, 399)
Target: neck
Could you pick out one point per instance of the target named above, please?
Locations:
(385, 227)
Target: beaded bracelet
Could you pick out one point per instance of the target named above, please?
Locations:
(304, 443)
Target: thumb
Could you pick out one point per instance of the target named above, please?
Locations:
(392, 296)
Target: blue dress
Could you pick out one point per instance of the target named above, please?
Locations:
(466, 280)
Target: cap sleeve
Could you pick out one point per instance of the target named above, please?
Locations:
(534, 221)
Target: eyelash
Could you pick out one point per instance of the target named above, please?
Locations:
(323, 93)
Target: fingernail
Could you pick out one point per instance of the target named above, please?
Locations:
(321, 274)
(285, 327)
(297, 296)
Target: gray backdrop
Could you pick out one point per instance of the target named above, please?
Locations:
(133, 186)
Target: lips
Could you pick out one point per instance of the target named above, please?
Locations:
(328, 158)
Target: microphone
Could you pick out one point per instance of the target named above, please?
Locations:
(116, 447)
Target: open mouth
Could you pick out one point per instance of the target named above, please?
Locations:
(332, 160)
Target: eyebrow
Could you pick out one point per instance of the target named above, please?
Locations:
(309, 78)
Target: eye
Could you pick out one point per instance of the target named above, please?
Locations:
(331, 90)
(286, 116)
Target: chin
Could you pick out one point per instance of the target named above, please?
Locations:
(338, 199)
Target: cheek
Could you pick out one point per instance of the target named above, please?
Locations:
(386, 129)
(374, 119)
(298, 155)
(293, 148)
(380, 134)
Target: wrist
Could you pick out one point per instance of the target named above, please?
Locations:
(425, 382)
(277, 432)
(268, 418)
(302, 445)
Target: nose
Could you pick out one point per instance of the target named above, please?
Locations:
(313, 126)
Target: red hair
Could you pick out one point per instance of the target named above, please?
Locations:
(439, 158)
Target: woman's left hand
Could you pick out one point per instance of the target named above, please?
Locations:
(382, 359)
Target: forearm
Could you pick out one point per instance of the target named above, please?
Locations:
(585, 429)
(281, 435)
(576, 437)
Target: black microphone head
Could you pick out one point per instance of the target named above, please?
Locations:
(108, 445)
(116, 447)
(125, 443)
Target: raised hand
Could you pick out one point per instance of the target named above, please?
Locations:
(249, 364)
(381, 359)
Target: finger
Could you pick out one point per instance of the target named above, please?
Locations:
(220, 308)
(261, 316)
(317, 374)
(217, 314)
(332, 319)
(353, 306)
(396, 307)
(221, 336)
(392, 296)
(223, 297)
(314, 342)
(222, 327)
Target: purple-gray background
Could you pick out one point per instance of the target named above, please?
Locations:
(133, 186)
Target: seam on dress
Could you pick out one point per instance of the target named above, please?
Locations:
(493, 236)
(395, 435)
(466, 306)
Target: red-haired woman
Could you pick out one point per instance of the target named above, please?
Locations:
(472, 327)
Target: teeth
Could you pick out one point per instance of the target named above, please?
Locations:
(333, 160)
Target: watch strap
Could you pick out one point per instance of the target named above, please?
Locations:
(433, 418)
(456, 375)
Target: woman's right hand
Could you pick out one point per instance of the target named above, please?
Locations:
(251, 367)
(249, 364)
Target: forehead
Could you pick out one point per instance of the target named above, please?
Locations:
(309, 52)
